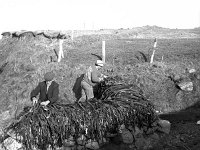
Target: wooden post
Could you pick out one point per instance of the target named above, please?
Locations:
(72, 35)
(103, 51)
(60, 54)
(154, 46)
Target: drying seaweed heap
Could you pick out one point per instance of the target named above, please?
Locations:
(116, 103)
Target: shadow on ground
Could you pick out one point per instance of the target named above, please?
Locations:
(184, 134)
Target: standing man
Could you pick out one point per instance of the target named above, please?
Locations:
(91, 78)
(48, 91)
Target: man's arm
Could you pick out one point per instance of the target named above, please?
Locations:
(35, 92)
(95, 74)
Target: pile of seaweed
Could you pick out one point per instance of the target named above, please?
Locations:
(116, 103)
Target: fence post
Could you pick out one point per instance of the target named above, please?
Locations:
(72, 35)
(60, 54)
(103, 51)
(154, 46)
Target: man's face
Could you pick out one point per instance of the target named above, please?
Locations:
(98, 67)
(48, 82)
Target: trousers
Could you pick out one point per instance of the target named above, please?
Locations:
(88, 89)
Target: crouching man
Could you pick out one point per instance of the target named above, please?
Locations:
(48, 91)
(92, 77)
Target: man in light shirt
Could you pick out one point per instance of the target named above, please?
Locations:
(91, 78)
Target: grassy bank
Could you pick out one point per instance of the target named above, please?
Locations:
(23, 64)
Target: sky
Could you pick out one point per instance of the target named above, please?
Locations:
(16, 15)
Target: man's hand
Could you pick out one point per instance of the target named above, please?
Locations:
(101, 79)
(105, 76)
(45, 103)
(35, 100)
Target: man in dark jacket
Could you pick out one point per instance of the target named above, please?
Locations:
(48, 91)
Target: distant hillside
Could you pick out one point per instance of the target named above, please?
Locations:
(144, 32)
(195, 30)
(159, 32)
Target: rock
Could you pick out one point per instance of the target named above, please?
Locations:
(151, 130)
(5, 115)
(192, 70)
(198, 122)
(12, 144)
(127, 137)
(154, 137)
(92, 145)
(198, 76)
(69, 142)
(81, 140)
(137, 132)
(177, 77)
(140, 143)
(186, 86)
(164, 126)
(80, 147)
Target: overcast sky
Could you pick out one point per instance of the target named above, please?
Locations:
(19, 15)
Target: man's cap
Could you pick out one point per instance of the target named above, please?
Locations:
(99, 63)
(49, 76)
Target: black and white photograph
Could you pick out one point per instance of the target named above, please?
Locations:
(99, 75)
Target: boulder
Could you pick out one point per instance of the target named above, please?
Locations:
(11, 144)
(154, 138)
(92, 144)
(192, 70)
(198, 122)
(81, 140)
(164, 126)
(186, 86)
(137, 132)
(69, 142)
(5, 115)
(127, 137)
(140, 142)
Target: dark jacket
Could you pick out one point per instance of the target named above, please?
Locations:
(51, 94)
